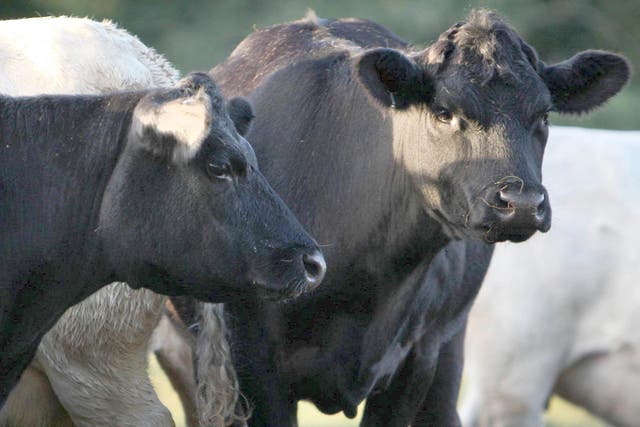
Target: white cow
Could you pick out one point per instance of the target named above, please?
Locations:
(91, 368)
(76, 56)
(560, 313)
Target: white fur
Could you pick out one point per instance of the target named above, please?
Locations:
(92, 366)
(562, 306)
(186, 119)
(76, 55)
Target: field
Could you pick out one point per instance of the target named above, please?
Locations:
(561, 413)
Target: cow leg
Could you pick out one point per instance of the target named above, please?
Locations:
(511, 389)
(113, 394)
(10, 377)
(499, 394)
(175, 357)
(256, 361)
(606, 385)
(398, 404)
(511, 359)
(96, 360)
(32, 403)
(14, 362)
(439, 407)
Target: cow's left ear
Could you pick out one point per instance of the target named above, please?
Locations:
(175, 123)
(392, 78)
(241, 114)
(586, 80)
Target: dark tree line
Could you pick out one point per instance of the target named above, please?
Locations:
(197, 34)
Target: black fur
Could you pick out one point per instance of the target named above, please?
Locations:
(392, 79)
(586, 81)
(241, 113)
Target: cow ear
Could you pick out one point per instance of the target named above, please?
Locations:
(586, 80)
(174, 123)
(241, 113)
(392, 78)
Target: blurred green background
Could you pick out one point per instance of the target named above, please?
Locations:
(197, 34)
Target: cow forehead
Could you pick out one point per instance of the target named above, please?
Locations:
(484, 68)
(218, 106)
(224, 136)
(520, 96)
(484, 42)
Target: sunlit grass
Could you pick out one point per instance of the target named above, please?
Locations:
(563, 414)
(165, 391)
(560, 414)
(309, 416)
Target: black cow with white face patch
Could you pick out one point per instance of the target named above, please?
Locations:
(154, 188)
(407, 164)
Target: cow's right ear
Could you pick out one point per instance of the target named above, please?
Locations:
(174, 124)
(241, 114)
(392, 78)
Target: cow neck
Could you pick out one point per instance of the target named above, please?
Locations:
(105, 153)
(63, 150)
(373, 218)
(408, 235)
(91, 143)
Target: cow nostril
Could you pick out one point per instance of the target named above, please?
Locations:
(315, 267)
(505, 200)
(541, 209)
(522, 200)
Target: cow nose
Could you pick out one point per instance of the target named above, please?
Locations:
(513, 211)
(516, 201)
(315, 267)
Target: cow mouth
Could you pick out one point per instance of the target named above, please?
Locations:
(283, 295)
(494, 233)
(491, 232)
(516, 237)
(287, 281)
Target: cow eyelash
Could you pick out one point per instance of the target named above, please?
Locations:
(545, 118)
(219, 171)
(443, 115)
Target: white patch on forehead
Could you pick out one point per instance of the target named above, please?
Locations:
(188, 120)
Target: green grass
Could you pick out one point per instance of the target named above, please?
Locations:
(560, 414)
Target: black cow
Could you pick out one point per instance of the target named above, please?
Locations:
(154, 188)
(406, 164)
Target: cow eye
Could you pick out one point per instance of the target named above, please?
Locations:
(443, 115)
(219, 171)
(545, 119)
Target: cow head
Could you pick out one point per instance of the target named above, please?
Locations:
(186, 210)
(470, 120)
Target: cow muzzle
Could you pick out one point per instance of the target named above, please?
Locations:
(511, 210)
(292, 272)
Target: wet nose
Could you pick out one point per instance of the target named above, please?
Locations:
(511, 211)
(518, 202)
(315, 267)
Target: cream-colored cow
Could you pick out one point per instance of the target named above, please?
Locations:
(560, 313)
